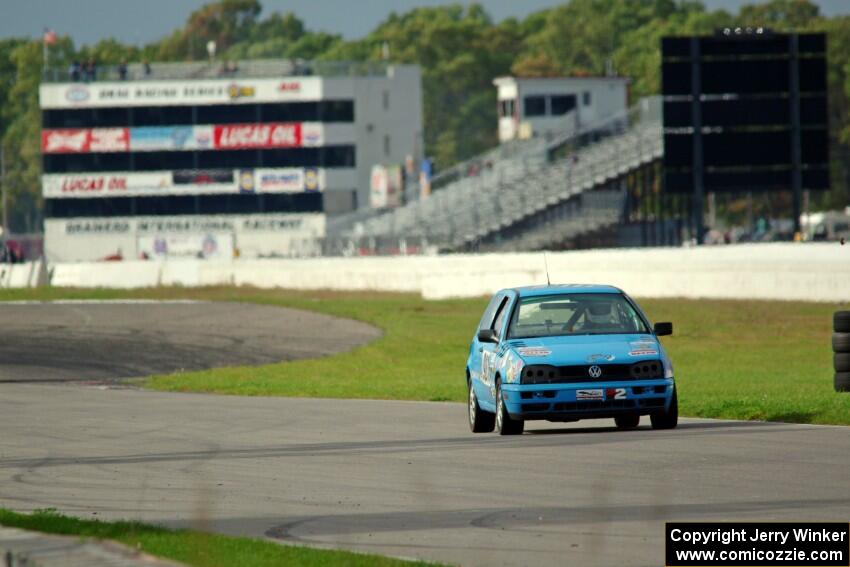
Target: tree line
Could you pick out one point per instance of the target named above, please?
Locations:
(460, 49)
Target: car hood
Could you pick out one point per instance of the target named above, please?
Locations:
(587, 349)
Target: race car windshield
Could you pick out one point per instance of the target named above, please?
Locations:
(575, 314)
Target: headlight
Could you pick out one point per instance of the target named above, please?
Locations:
(668, 370)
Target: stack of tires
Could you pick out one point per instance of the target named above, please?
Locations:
(841, 350)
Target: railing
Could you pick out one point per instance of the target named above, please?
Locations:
(259, 68)
(510, 190)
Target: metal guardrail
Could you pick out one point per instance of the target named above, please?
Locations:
(252, 69)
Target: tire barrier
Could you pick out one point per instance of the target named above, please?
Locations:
(841, 350)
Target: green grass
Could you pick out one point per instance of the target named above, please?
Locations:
(733, 359)
(193, 547)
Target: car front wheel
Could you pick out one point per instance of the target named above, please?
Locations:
(480, 421)
(504, 424)
(627, 421)
(667, 419)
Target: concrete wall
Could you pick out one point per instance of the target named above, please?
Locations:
(810, 272)
(28, 274)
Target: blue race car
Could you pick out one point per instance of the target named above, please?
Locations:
(565, 353)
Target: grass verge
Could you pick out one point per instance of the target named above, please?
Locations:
(191, 547)
(762, 360)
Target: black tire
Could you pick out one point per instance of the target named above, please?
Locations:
(629, 421)
(668, 419)
(841, 322)
(480, 421)
(841, 361)
(842, 381)
(504, 424)
(841, 342)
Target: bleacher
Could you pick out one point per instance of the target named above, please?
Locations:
(491, 209)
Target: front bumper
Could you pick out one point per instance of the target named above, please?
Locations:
(564, 402)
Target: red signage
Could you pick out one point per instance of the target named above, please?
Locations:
(225, 137)
(290, 87)
(109, 140)
(247, 136)
(94, 184)
(85, 140)
(64, 141)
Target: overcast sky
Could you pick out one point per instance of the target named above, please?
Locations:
(142, 21)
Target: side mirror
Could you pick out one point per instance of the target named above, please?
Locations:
(663, 329)
(487, 336)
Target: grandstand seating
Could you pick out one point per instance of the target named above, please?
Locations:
(513, 186)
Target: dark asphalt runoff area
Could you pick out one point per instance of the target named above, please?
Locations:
(107, 340)
(405, 478)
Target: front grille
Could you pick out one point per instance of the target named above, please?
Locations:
(594, 405)
(545, 374)
(535, 407)
(652, 403)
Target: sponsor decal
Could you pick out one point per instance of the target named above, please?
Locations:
(642, 352)
(192, 91)
(311, 179)
(77, 94)
(209, 246)
(600, 358)
(84, 140)
(513, 371)
(203, 176)
(109, 140)
(311, 134)
(595, 371)
(163, 138)
(192, 245)
(64, 141)
(95, 183)
(235, 91)
(590, 395)
(246, 181)
(271, 135)
(643, 348)
(280, 180)
(533, 351)
(203, 137)
(83, 185)
(289, 87)
(154, 138)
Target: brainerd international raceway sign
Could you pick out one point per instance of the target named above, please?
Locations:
(198, 236)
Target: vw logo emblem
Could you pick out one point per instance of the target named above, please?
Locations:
(594, 371)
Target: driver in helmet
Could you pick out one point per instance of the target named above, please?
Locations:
(599, 315)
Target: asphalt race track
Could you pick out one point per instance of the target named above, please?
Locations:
(405, 478)
(106, 340)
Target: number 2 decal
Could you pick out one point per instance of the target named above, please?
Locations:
(619, 393)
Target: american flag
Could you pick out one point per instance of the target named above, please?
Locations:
(49, 36)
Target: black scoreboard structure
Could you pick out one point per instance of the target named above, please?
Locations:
(745, 110)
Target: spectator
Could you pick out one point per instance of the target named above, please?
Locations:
(90, 71)
(147, 68)
(122, 70)
(74, 71)
(228, 68)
